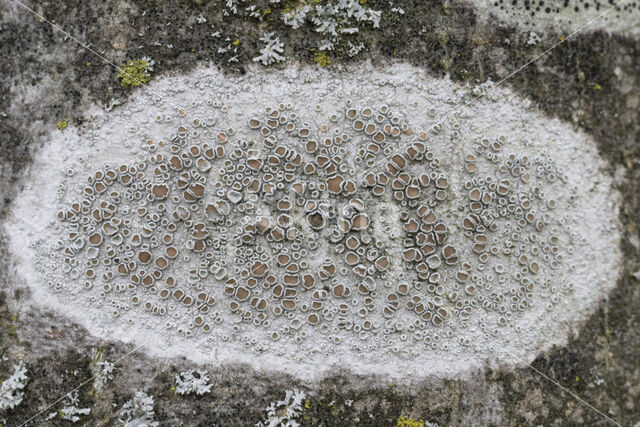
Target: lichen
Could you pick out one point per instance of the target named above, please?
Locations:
(332, 19)
(193, 381)
(138, 411)
(62, 124)
(272, 51)
(136, 72)
(611, 146)
(284, 412)
(11, 393)
(313, 271)
(71, 412)
(104, 373)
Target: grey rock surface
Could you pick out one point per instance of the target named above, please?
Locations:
(590, 80)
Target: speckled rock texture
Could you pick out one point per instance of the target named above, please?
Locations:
(590, 81)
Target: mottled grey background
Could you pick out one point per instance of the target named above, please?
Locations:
(592, 80)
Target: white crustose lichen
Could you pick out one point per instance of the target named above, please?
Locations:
(299, 220)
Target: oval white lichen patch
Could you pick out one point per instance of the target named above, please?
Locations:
(305, 220)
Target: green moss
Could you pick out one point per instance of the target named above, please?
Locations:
(134, 73)
(408, 422)
(322, 59)
(62, 124)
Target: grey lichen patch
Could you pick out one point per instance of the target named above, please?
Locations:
(356, 228)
